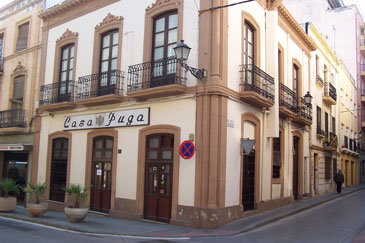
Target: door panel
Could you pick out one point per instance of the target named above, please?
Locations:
(101, 174)
(248, 188)
(295, 167)
(158, 177)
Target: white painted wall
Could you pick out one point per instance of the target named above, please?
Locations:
(181, 113)
(133, 13)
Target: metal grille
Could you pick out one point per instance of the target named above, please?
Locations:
(255, 79)
(288, 98)
(57, 93)
(12, 118)
(100, 84)
(156, 73)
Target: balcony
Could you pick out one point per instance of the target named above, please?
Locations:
(330, 94)
(362, 91)
(362, 69)
(320, 132)
(319, 80)
(304, 115)
(257, 88)
(57, 96)
(288, 102)
(100, 88)
(362, 46)
(12, 121)
(158, 78)
(330, 142)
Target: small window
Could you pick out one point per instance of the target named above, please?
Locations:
(319, 119)
(22, 41)
(18, 90)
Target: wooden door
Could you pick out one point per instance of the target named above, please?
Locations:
(101, 174)
(295, 167)
(158, 177)
(248, 187)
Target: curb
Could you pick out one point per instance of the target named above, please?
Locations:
(246, 230)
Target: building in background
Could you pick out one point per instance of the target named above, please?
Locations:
(20, 54)
(334, 20)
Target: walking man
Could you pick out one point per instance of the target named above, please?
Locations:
(339, 179)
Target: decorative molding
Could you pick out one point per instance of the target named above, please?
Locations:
(19, 69)
(60, 8)
(109, 19)
(161, 2)
(67, 34)
(296, 28)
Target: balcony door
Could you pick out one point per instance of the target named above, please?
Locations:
(108, 63)
(248, 52)
(163, 55)
(66, 73)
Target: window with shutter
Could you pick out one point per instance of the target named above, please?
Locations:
(22, 41)
(18, 90)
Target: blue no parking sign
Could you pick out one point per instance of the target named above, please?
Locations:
(187, 149)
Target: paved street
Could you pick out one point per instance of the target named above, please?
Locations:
(340, 220)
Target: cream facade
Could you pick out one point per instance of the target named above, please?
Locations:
(20, 52)
(325, 79)
(117, 108)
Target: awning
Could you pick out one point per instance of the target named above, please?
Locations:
(16, 147)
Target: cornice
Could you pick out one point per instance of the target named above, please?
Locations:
(326, 50)
(297, 29)
(61, 8)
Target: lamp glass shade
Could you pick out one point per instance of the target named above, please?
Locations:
(182, 50)
(308, 98)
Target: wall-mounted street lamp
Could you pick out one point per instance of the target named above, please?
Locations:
(182, 51)
(308, 98)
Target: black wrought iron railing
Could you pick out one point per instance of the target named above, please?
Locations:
(320, 131)
(57, 93)
(156, 73)
(255, 79)
(319, 79)
(288, 98)
(330, 139)
(305, 109)
(12, 118)
(100, 84)
(330, 91)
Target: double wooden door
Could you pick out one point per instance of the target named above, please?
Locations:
(158, 177)
(101, 174)
(248, 187)
(295, 167)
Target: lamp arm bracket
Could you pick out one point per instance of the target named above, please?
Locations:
(196, 72)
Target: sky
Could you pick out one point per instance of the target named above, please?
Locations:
(360, 4)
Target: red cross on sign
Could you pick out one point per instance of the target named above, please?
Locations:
(187, 149)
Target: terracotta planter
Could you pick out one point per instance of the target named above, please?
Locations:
(37, 210)
(76, 214)
(7, 204)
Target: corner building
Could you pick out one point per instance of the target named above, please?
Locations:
(116, 105)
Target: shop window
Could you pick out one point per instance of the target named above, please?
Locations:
(58, 169)
(22, 40)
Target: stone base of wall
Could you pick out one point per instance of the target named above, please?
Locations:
(56, 206)
(271, 204)
(125, 208)
(206, 218)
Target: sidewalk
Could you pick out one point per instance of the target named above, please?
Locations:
(111, 226)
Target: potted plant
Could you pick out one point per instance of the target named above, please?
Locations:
(7, 204)
(74, 213)
(36, 209)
